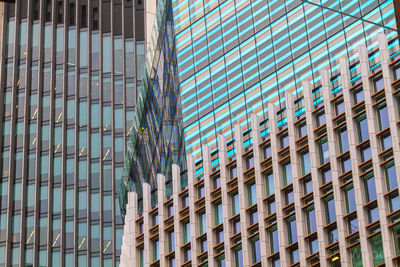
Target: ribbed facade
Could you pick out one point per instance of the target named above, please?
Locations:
(319, 189)
(235, 57)
(69, 73)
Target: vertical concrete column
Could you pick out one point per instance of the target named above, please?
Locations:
(192, 212)
(178, 231)
(362, 217)
(391, 100)
(316, 181)
(278, 184)
(210, 209)
(335, 168)
(297, 173)
(243, 196)
(146, 224)
(226, 201)
(260, 186)
(128, 248)
(163, 244)
(374, 142)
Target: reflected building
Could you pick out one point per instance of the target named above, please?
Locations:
(70, 70)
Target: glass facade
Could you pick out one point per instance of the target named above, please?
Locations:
(68, 79)
(235, 57)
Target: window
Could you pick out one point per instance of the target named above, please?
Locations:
(353, 225)
(377, 249)
(220, 235)
(255, 244)
(343, 140)
(287, 174)
(305, 163)
(269, 182)
(330, 209)
(332, 236)
(203, 244)
(373, 214)
(311, 220)
(252, 194)
(238, 257)
(324, 150)
(284, 141)
(362, 128)
(236, 226)
(171, 241)
(156, 250)
(313, 244)
(233, 172)
(346, 164)
(292, 230)
(350, 198)
(391, 179)
(378, 84)
(267, 151)
(383, 117)
(369, 185)
(294, 256)
(320, 119)
(271, 207)
(365, 153)
(307, 186)
(386, 141)
(200, 191)
(253, 216)
(218, 214)
(394, 202)
(358, 95)
(235, 204)
(289, 197)
(249, 162)
(302, 130)
(186, 232)
(339, 108)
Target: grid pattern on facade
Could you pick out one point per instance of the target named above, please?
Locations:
(319, 190)
(68, 79)
(234, 57)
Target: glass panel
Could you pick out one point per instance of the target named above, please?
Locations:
(95, 51)
(35, 41)
(95, 91)
(82, 113)
(107, 54)
(118, 92)
(129, 54)
(140, 60)
(71, 46)
(83, 46)
(94, 115)
(10, 37)
(60, 45)
(48, 37)
(118, 56)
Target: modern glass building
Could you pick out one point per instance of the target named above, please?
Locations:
(69, 73)
(156, 140)
(319, 188)
(236, 56)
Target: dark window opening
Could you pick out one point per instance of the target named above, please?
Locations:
(72, 14)
(60, 12)
(83, 16)
(36, 6)
(48, 10)
(95, 18)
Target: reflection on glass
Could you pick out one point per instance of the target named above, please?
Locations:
(129, 58)
(47, 43)
(83, 45)
(118, 55)
(95, 51)
(10, 37)
(46, 79)
(71, 46)
(118, 92)
(22, 39)
(60, 45)
(35, 41)
(34, 77)
(94, 90)
(140, 60)
(106, 54)
(83, 84)
(59, 81)
(106, 89)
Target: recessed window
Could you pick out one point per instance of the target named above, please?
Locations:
(320, 119)
(346, 164)
(353, 225)
(284, 141)
(267, 151)
(365, 153)
(358, 95)
(383, 117)
(324, 150)
(369, 186)
(378, 84)
(302, 130)
(339, 108)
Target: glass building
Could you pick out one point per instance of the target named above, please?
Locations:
(156, 140)
(320, 188)
(69, 73)
(236, 56)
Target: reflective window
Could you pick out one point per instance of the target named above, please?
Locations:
(71, 46)
(9, 73)
(330, 209)
(391, 178)
(48, 37)
(378, 84)
(83, 80)
(82, 172)
(35, 40)
(82, 143)
(358, 95)
(107, 90)
(383, 117)
(369, 185)
(82, 113)
(321, 119)
(83, 46)
(60, 45)
(129, 54)
(94, 115)
(107, 54)
(256, 252)
(273, 238)
(94, 145)
(107, 114)
(235, 204)
(350, 198)
(46, 79)
(311, 220)
(218, 214)
(57, 200)
(95, 51)
(326, 176)
(252, 194)
(57, 169)
(95, 84)
(269, 182)
(22, 39)
(324, 150)
(7, 103)
(118, 55)
(343, 140)
(287, 174)
(305, 163)
(118, 92)
(10, 37)
(34, 77)
(69, 202)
